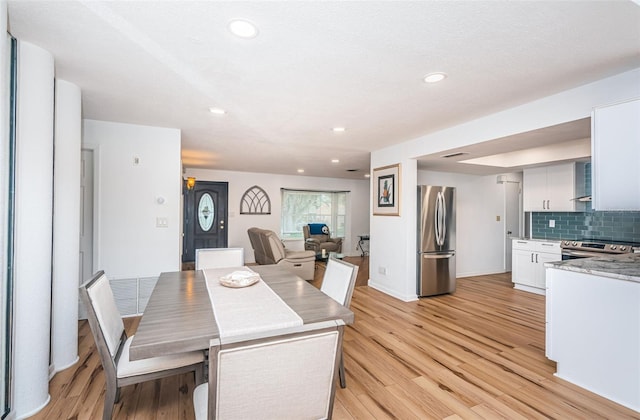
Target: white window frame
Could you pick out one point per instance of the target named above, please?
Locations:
(336, 218)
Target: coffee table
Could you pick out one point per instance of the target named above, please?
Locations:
(336, 255)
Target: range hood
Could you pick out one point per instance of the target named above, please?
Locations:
(582, 199)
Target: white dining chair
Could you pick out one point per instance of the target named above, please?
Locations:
(113, 346)
(219, 257)
(289, 374)
(338, 282)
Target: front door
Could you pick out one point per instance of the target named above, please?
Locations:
(205, 218)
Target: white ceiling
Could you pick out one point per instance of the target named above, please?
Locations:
(316, 65)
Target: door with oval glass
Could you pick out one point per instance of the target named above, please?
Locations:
(205, 217)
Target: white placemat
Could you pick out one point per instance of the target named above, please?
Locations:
(249, 309)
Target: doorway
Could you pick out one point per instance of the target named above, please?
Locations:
(85, 270)
(205, 218)
(512, 215)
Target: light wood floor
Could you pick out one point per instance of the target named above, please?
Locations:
(478, 353)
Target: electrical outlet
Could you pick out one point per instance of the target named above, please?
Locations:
(552, 223)
(382, 270)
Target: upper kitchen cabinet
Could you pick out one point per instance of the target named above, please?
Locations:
(553, 188)
(615, 150)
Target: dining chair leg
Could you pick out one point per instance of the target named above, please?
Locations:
(343, 379)
(111, 395)
(199, 374)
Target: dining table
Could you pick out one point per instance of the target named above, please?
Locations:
(180, 316)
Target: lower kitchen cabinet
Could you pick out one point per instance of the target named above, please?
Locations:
(529, 256)
(593, 331)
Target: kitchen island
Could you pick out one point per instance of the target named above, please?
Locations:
(593, 324)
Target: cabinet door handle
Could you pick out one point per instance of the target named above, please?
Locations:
(532, 257)
(548, 206)
(543, 207)
(536, 258)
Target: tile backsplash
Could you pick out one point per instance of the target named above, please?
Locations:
(603, 225)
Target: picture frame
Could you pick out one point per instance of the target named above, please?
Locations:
(386, 190)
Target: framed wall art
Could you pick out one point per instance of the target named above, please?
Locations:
(386, 190)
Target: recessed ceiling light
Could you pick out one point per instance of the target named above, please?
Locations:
(300, 171)
(367, 175)
(243, 28)
(217, 111)
(434, 77)
(335, 160)
(339, 129)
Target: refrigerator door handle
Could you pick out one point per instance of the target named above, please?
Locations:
(436, 219)
(438, 256)
(440, 221)
(443, 229)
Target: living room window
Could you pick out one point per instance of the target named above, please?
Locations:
(300, 207)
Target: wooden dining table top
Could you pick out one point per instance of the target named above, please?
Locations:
(179, 316)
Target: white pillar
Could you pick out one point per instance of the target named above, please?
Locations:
(33, 229)
(5, 53)
(66, 225)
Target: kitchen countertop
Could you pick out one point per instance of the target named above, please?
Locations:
(620, 266)
(536, 239)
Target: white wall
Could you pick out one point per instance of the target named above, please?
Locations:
(128, 243)
(393, 238)
(357, 221)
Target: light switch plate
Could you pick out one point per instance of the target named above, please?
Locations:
(162, 222)
(552, 223)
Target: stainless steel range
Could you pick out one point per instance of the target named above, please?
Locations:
(585, 248)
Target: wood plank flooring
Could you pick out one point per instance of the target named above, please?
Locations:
(478, 353)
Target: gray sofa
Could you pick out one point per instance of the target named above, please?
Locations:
(268, 249)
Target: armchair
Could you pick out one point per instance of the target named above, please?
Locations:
(268, 249)
(317, 237)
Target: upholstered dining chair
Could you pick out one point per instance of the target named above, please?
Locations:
(113, 346)
(289, 374)
(338, 283)
(219, 257)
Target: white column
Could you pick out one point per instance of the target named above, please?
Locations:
(33, 229)
(66, 225)
(4, 182)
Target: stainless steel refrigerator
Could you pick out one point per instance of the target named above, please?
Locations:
(436, 240)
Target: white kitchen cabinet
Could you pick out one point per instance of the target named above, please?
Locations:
(528, 258)
(615, 150)
(534, 192)
(553, 188)
(593, 333)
